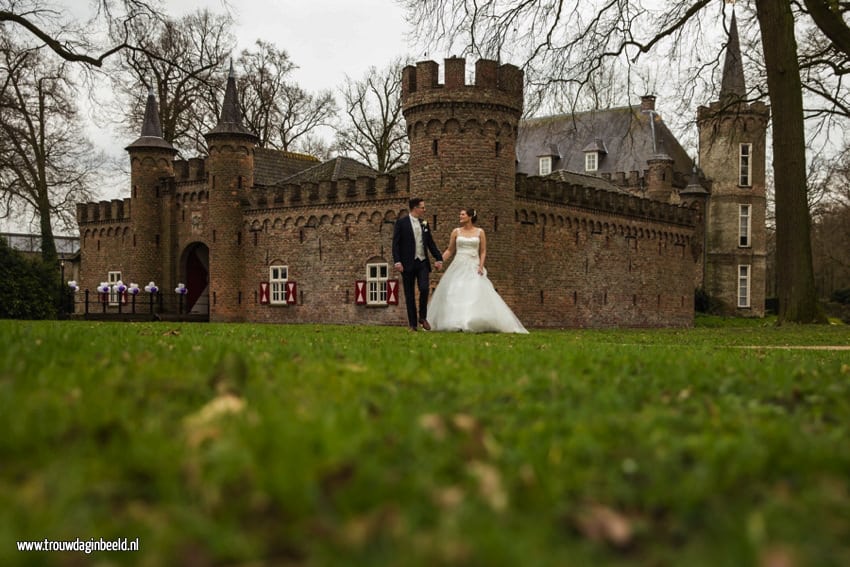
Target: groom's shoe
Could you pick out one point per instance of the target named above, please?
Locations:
(425, 324)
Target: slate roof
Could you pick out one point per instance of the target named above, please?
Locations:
(151, 129)
(626, 137)
(585, 180)
(230, 119)
(272, 166)
(332, 170)
(733, 85)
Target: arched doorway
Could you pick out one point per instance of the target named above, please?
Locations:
(196, 267)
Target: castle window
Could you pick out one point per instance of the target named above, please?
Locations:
(544, 166)
(277, 284)
(113, 278)
(434, 147)
(745, 166)
(591, 161)
(376, 283)
(744, 226)
(744, 285)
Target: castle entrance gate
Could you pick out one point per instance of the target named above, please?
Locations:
(195, 270)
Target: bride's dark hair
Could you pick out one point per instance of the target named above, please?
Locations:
(473, 214)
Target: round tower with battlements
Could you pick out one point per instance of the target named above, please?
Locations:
(230, 174)
(463, 151)
(151, 165)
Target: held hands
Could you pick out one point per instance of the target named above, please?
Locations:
(438, 264)
(398, 267)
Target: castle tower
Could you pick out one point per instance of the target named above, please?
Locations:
(230, 173)
(659, 185)
(732, 156)
(151, 164)
(463, 151)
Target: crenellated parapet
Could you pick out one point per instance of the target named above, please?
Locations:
(496, 86)
(756, 110)
(193, 169)
(103, 211)
(345, 190)
(602, 201)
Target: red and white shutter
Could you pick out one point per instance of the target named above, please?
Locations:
(291, 293)
(360, 292)
(392, 292)
(264, 293)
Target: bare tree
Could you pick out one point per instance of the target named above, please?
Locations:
(46, 164)
(831, 227)
(280, 112)
(182, 62)
(48, 24)
(374, 130)
(562, 45)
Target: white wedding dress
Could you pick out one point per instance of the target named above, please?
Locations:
(467, 301)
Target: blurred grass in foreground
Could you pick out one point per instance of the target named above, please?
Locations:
(322, 445)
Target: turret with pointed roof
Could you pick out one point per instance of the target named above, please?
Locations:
(151, 169)
(732, 134)
(231, 176)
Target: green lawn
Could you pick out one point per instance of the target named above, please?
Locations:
(321, 445)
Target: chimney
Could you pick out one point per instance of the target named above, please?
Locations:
(647, 102)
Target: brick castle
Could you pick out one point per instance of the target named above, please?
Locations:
(267, 236)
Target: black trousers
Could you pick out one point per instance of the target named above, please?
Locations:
(418, 277)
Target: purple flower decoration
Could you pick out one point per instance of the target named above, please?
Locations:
(181, 289)
(119, 287)
(103, 287)
(133, 289)
(73, 285)
(151, 288)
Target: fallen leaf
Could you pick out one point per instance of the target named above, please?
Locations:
(448, 497)
(777, 556)
(489, 485)
(433, 424)
(602, 524)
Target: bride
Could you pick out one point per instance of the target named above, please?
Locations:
(465, 299)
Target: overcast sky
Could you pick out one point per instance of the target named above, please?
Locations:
(327, 39)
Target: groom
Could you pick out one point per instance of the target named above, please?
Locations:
(411, 243)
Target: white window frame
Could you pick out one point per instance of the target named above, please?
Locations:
(745, 165)
(591, 161)
(745, 225)
(544, 165)
(113, 277)
(377, 274)
(744, 281)
(278, 275)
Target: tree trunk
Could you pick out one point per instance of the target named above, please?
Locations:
(795, 282)
(48, 243)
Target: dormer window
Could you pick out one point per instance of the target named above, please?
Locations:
(593, 155)
(544, 165)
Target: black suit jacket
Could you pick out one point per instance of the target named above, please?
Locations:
(404, 244)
